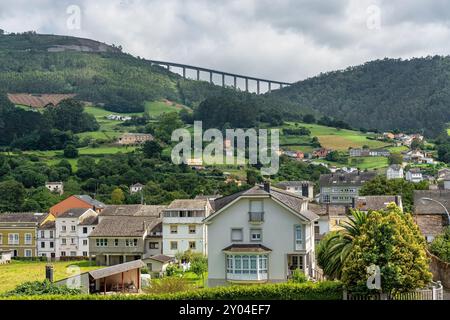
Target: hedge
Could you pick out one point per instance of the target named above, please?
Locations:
(327, 290)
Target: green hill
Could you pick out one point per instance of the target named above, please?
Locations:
(411, 95)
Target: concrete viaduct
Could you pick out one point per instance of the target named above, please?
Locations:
(184, 68)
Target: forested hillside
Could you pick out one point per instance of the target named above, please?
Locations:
(384, 94)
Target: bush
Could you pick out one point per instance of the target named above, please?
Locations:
(326, 290)
(299, 276)
(440, 246)
(172, 270)
(41, 288)
(168, 285)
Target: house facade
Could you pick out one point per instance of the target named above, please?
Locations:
(260, 235)
(414, 175)
(126, 233)
(72, 230)
(18, 232)
(342, 188)
(135, 138)
(56, 187)
(395, 171)
(302, 188)
(46, 240)
(183, 228)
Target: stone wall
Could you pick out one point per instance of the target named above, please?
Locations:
(440, 270)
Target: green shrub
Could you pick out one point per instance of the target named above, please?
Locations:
(41, 288)
(168, 285)
(172, 270)
(326, 290)
(440, 246)
(298, 276)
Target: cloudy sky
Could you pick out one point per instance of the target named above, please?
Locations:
(284, 40)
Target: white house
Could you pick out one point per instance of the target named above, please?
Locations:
(302, 188)
(395, 171)
(414, 175)
(446, 180)
(57, 187)
(137, 187)
(183, 228)
(46, 238)
(260, 235)
(72, 231)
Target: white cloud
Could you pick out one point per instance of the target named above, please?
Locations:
(284, 40)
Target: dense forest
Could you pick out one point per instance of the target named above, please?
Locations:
(410, 95)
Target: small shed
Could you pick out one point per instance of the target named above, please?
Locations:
(159, 263)
(125, 277)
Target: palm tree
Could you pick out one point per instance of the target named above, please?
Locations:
(334, 249)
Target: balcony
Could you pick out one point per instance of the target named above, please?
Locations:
(250, 277)
(256, 217)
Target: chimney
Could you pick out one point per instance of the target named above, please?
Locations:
(49, 272)
(267, 186)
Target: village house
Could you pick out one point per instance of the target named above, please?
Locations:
(330, 218)
(395, 171)
(442, 173)
(414, 175)
(376, 203)
(261, 234)
(118, 117)
(183, 227)
(342, 188)
(56, 187)
(137, 187)
(72, 231)
(430, 216)
(134, 138)
(77, 201)
(365, 152)
(18, 232)
(125, 233)
(320, 153)
(302, 188)
(157, 264)
(46, 240)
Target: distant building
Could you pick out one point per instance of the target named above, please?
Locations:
(302, 188)
(77, 201)
(414, 175)
(446, 180)
(134, 138)
(320, 153)
(137, 187)
(57, 187)
(342, 188)
(395, 171)
(46, 240)
(358, 152)
(430, 216)
(442, 173)
(375, 203)
(118, 117)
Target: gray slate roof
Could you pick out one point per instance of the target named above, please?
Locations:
(119, 268)
(188, 204)
(366, 203)
(328, 209)
(346, 179)
(293, 183)
(92, 202)
(49, 225)
(134, 210)
(429, 207)
(22, 217)
(125, 226)
(291, 200)
(161, 258)
(73, 213)
(89, 221)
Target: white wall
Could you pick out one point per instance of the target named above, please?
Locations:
(183, 237)
(277, 235)
(47, 251)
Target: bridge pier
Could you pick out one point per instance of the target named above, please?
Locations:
(257, 86)
(223, 80)
(184, 73)
(198, 75)
(270, 86)
(211, 78)
(246, 84)
(235, 82)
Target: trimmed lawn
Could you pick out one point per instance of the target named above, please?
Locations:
(19, 272)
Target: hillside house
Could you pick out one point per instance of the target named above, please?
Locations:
(56, 187)
(259, 235)
(129, 139)
(137, 187)
(395, 171)
(414, 175)
(320, 153)
(342, 188)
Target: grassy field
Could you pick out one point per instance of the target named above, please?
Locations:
(157, 108)
(19, 272)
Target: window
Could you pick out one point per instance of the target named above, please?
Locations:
(131, 242)
(28, 253)
(63, 253)
(72, 240)
(13, 238)
(63, 228)
(51, 244)
(150, 266)
(298, 237)
(85, 254)
(153, 245)
(28, 238)
(192, 229)
(42, 234)
(101, 242)
(255, 235)
(73, 253)
(237, 235)
(256, 213)
(63, 241)
(316, 230)
(247, 264)
(85, 242)
(116, 242)
(73, 228)
(173, 245)
(192, 245)
(84, 230)
(174, 229)
(42, 245)
(51, 233)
